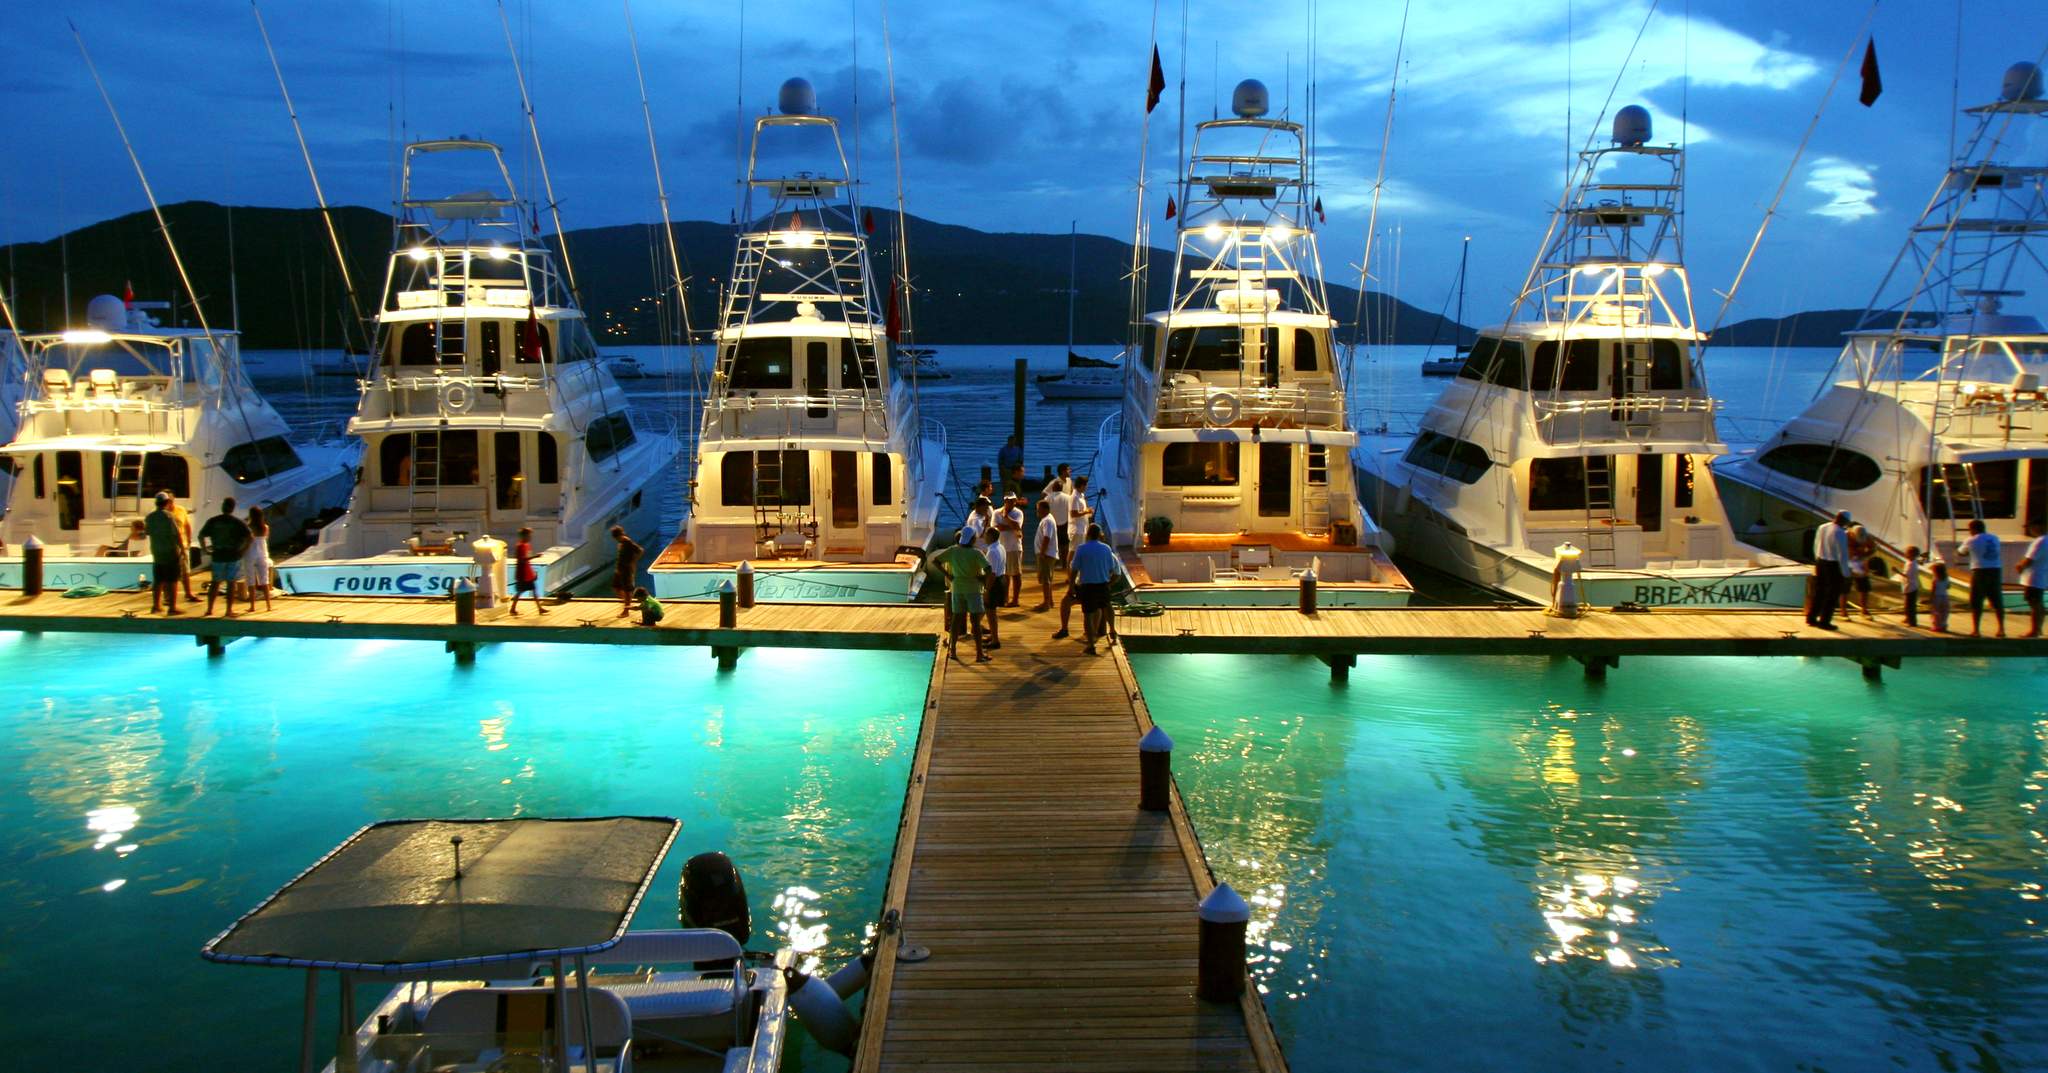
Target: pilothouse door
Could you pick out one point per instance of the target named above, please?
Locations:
(1276, 480)
(1650, 492)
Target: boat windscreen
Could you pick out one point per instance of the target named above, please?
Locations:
(391, 898)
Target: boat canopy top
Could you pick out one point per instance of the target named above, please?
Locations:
(392, 899)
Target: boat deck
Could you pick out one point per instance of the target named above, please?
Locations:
(1059, 917)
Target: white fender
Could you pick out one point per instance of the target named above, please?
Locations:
(849, 979)
(821, 1012)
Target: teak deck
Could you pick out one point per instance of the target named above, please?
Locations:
(1059, 917)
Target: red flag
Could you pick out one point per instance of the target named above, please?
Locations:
(529, 347)
(867, 221)
(1320, 218)
(893, 325)
(1872, 85)
(536, 220)
(1157, 85)
(796, 221)
(1172, 210)
(128, 296)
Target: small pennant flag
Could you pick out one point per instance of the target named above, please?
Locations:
(1157, 85)
(1172, 210)
(529, 347)
(1320, 218)
(128, 296)
(892, 326)
(536, 221)
(867, 221)
(1872, 84)
(796, 221)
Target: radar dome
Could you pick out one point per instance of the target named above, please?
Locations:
(107, 313)
(797, 98)
(2022, 82)
(1250, 99)
(1632, 126)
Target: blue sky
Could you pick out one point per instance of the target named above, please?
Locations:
(1023, 116)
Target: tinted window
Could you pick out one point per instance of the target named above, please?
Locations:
(787, 484)
(1203, 350)
(736, 479)
(884, 480)
(1460, 460)
(1667, 365)
(1581, 366)
(1976, 490)
(762, 365)
(1495, 362)
(549, 466)
(444, 458)
(1833, 466)
(522, 338)
(1199, 464)
(1305, 351)
(1560, 483)
(264, 458)
(417, 344)
(607, 436)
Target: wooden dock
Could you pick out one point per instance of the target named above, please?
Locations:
(1059, 918)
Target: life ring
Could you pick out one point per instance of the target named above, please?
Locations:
(1223, 409)
(456, 397)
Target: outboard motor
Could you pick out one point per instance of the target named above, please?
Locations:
(712, 896)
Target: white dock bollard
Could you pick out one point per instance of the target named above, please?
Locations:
(1155, 771)
(489, 552)
(32, 566)
(1219, 958)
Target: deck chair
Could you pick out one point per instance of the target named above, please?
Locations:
(1249, 559)
(525, 1013)
(687, 995)
(56, 383)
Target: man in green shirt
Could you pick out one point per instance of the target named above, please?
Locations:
(966, 571)
(225, 537)
(166, 555)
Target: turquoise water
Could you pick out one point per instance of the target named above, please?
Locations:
(149, 796)
(1706, 864)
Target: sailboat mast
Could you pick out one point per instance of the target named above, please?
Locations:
(1458, 329)
(1072, 231)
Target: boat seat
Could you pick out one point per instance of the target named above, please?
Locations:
(488, 1011)
(669, 946)
(674, 996)
(667, 998)
(56, 382)
(106, 382)
(1249, 558)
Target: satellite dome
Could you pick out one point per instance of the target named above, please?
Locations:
(2022, 82)
(1632, 126)
(1250, 99)
(107, 313)
(797, 98)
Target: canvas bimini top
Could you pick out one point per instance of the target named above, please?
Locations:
(388, 900)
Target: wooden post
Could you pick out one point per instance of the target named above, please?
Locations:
(465, 652)
(1597, 666)
(1219, 955)
(728, 656)
(1155, 771)
(1340, 666)
(32, 564)
(1017, 383)
(216, 647)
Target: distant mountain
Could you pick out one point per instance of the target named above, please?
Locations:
(973, 286)
(1813, 328)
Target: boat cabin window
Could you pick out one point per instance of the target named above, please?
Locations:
(522, 339)
(1560, 483)
(849, 368)
(1973, 490)
(1460, 460)
(607, 436)
(1667, 365)
(256, 461)
(762, 365)
(41, 491)
(1306, 353)
(490, 346)
(507, 472)
(1214, 349)
(162, 471)
(1581, 366)
(1833, 466)
(883, 480)
(1494, 361)
(548, 466)
(1194, 465)
(419, 343)
(428, 459)
(784, 481)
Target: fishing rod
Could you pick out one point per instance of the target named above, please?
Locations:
(540, 157)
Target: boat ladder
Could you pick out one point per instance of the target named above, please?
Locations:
(426, 477)
(128, 470)
(1600, 497)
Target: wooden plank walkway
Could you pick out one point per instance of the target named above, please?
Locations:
(1526, 632)
(593, 621)
(1060, 918)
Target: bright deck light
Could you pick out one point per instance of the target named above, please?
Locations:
(418, 253)
(500, 253)
(1213, 232)
(1653, 270)
(87, 335)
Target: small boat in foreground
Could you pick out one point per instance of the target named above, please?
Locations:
(507, 943)
(625, 367)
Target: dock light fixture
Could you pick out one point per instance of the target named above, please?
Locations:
(87, 335)
(419, 253)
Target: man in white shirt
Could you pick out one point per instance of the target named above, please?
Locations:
(1011, 524)
(997, 584)
(1987, 577)
(1046, 548)
(1830, 570)
(2034, 575)
(1079, 514)
(977, 520)
(1061, 500)
(1062, 482)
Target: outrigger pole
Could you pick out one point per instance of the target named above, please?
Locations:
(668, 233)
(539, 156)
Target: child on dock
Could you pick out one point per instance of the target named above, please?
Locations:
(651, 611)
(1909, 585)
(1937, 599)
(524, 578)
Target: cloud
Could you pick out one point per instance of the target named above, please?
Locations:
(1850, 189)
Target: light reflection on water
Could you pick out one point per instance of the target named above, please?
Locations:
(1703, 864)
(139, 819)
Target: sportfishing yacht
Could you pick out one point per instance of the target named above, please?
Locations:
(1583, 430)
(116, 411)
(1223, 477)
(487, 409)
(505, 945)
(1933, 414)
(812, 466)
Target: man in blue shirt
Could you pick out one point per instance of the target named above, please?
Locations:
(1094, 567)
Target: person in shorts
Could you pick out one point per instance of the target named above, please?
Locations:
(966, 573)
(225, 537)
(525, 579)
(1046, 548)
(1987, 577)
(1094, 568)
(624, 568)
(1909, 584)
(166, 555)
(1010, 522)
(2033, 569)
(998, 583)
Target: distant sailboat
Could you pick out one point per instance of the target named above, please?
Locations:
(1086, 377)
(1449, 366)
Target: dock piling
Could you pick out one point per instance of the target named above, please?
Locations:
(216, 647)
(465, 602)
(1155, 771)
(1340, 666)
(32, 563)
(1597, 666)
(1219, 955)
(1874, 666)
(744, 576)
(728, 656)
(465, 652)
(728, 606)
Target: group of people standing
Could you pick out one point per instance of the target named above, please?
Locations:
(1844, 551)
(984, 569)
(237, 552)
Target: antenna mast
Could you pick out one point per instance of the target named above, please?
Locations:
(540, 157)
